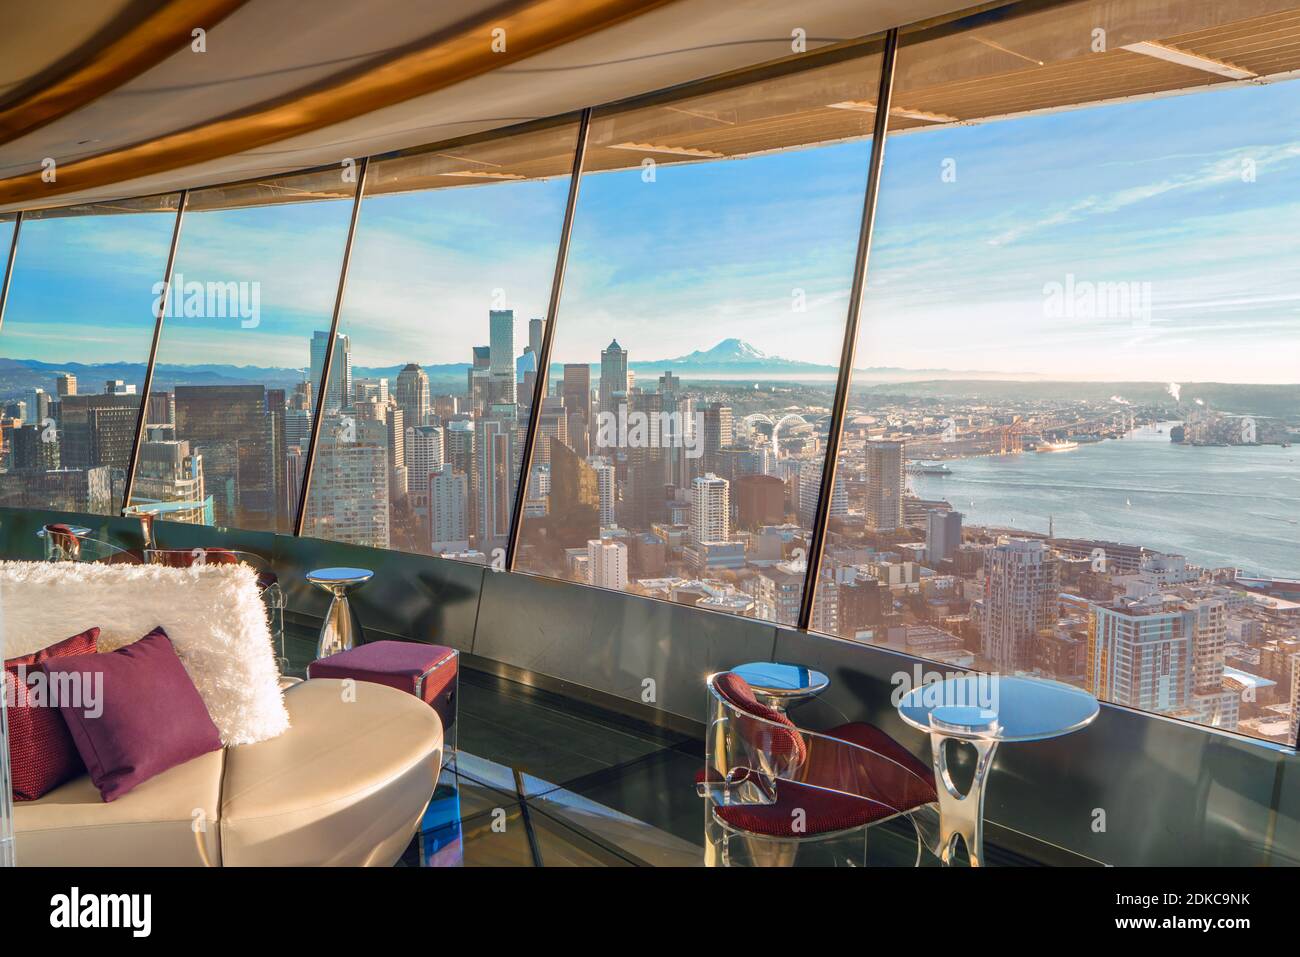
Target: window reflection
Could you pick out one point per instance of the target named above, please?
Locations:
(436, 357)
(229, 415)
(1068, 443)
(78, 323)
(680, 444)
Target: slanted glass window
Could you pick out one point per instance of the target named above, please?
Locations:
(226, 427)
(1068, 444)
(681, 440)
(436, 355)
(78, 324)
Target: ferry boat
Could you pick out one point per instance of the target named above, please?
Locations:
(1063, 445)
(928, 468)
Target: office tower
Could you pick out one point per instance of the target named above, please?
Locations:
(670, 383)
(340, 387)
(760, 500)
(295, 470)
(423, 455)
(297, 428)
(160, 409)
(64, 489)
(501, 336)
(412, 394)
(445, 406)
(369, 389)
(230, 427)
(942, 535)
(710, 509)
(34, 448)
(718, 433)
(607, 564)
(1021, 598)
(97, 430)
(613, 378)
(886, 485)
(647, 464)
(396, 437)
(608, 488)
(118, 387)
(276, 402)
(349, 498)
(38, 406)
(808, 491)
(494, 476)
(170, 474)
(458, 445)
(535, 331)
(66, 385)
(576, 388)
(448, 494)
(575, 499)
(551, 424)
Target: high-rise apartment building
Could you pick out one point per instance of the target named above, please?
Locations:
(719, 433)
(710, 509)
(1021, 599)
(494, 476)
(1139, 655)
(607, 563)
(886, 485)
(349, 497)
(607, 484)
(448, 496)
(423, 455)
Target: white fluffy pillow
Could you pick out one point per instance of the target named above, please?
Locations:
(212, 613)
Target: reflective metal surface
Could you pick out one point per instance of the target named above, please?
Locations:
(342, 628)
(1025, 709)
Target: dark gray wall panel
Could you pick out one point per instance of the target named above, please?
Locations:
(611, 641)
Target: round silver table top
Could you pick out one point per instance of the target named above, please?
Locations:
(777, 680)
(340, 576)
(998, 708)
(78, 530)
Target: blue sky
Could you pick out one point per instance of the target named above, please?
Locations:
(1149, 193)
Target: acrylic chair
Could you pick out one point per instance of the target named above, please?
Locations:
(267, 581)
(774, 792)
(63, 543)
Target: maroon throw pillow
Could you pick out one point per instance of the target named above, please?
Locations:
(42, 754)
(147, 716)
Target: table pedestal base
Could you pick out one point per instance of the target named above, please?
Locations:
(961, 814)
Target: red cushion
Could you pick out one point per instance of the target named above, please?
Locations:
(889, 775)
(410, 666)
(42, 754)
(775, 735)
(148, 716)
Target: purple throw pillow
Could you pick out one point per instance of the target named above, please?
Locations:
(138, 713)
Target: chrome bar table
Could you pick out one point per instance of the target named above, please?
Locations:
(342, 628)
(779, 685)
(984, 711)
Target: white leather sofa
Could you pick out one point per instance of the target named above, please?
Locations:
(345, 785)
